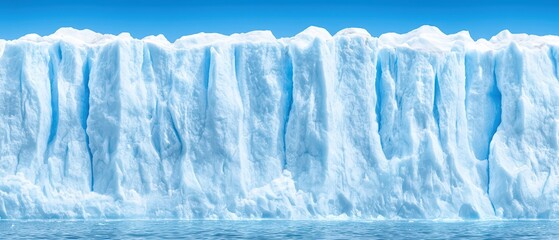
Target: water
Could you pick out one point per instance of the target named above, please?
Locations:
(278, 230)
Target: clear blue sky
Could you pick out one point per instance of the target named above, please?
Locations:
(284, 18)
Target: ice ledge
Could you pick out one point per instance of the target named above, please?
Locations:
(423, 38)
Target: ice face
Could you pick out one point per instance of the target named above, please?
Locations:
(416, 125)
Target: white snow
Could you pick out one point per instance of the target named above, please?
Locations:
(350, 126)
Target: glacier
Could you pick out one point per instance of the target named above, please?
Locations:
(420, 125)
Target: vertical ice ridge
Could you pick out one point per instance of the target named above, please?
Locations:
(116, 120)
(383, 60)
(378, 93)
(173, 117)
(209, 62)
(244, 154)
(104, 120)
(247, 158)
(483, 98)
(495, 95)
(55, 58)
(176, 132)
(288, 104)
(468, 80)
(436, 102)
(390, 103)
(21, 78)
(155, 130)
(307, 129)
(84, 118)
(319, 77)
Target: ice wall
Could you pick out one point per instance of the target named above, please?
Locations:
(418, 125)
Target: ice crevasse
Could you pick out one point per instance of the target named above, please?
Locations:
(417, 125)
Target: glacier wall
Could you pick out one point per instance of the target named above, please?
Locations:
(418, 125)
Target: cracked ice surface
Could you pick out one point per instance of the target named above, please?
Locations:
(415, 125)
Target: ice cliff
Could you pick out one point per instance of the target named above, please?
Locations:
(417, 125)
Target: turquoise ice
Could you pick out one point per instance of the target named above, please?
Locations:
(418, 125)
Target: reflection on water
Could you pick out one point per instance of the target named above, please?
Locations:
(272, 229)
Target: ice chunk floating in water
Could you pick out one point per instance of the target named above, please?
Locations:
(418, 125)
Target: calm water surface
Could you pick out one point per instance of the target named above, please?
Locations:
(278, 230)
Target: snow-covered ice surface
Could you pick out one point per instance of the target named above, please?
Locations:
(350, 126)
